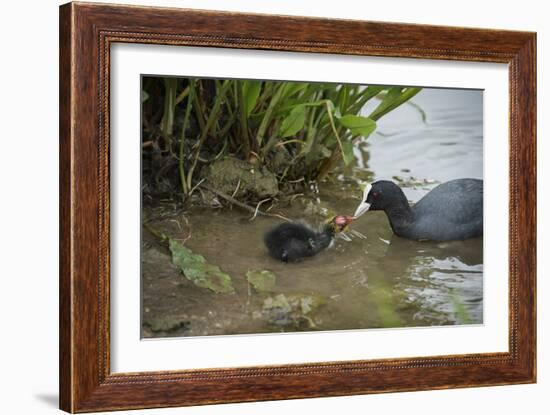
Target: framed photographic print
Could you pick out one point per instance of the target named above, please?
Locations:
(253, 208)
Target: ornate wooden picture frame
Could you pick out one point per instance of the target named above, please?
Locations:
(87, 32)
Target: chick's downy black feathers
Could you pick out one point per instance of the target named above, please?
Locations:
(290, 242)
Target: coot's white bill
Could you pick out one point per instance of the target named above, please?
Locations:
(363, 206)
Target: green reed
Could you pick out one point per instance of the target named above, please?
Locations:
(315, 126)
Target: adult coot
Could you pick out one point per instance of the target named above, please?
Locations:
(290, 242)
(451, 211)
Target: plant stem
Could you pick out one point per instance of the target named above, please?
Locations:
(170, 85)
(182, 95)
(182, 142)
(199, 108)
(335, 156)
(267, 117)
(311, 130)
(243, 119)
(213, 116)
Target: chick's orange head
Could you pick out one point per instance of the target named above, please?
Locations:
(342, 221)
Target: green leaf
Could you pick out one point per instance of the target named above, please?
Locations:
(292, 88)
(262, 281)
(293, 122)
(393, 99)
(390, 97)
(197, 270)
(251, 92)
(342, 99)
(358, 125)
(347, 154)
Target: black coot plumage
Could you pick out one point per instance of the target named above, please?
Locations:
(291, 242)
(451, 211)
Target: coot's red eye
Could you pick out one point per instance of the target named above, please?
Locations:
(375, 194)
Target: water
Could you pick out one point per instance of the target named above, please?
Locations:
(372, 279)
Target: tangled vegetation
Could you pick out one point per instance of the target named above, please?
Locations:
(252, 139)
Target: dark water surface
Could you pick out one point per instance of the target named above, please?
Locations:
(371, 279)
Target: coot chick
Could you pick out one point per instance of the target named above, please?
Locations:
(451, 211)
(291, 242)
